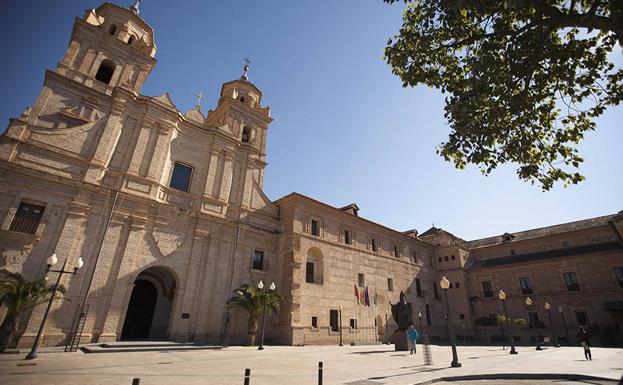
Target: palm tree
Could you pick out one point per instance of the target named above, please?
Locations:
(254, 301)
(18, 294)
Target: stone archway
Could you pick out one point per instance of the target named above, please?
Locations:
(149, 309)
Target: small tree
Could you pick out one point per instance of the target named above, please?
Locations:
(254, 301)
(18, 295)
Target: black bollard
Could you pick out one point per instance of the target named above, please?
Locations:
(247, 376)
(320, 373)
(136, 381)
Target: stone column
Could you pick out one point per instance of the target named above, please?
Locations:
(106, 273)
(123, 282)
(228, 171)
(160, 152)
(108, 139)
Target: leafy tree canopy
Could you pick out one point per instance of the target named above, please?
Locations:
(524, 79)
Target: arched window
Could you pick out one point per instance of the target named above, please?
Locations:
(241, 99)
(112, 30)
(246, 134)
(104, 73)
(314, 266)
(130, 39)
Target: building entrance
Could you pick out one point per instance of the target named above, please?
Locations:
(149, 309)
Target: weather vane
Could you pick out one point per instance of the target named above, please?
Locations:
(134, 7)
(245, 69)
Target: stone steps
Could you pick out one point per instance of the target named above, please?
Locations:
(146, 346)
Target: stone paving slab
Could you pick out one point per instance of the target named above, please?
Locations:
(353, 365)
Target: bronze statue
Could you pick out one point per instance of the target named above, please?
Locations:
(401, 311)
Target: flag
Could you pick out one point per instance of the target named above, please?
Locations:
(367, 297)
(356, 292)
(376, 297)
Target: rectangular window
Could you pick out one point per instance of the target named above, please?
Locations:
(315, 322)
(353, 323)
(445, 257)
(347, 239)
(418, 287)
(437, 296)
(439, 259)
(27, 218)
(333, 320)
(315, 229)
(396, 254)
(457, 285)
(565, 244)
(180, 179)
(373, 244)
(390, 284)
(452, 257)
(487, 289)
(428, 319)
(581, 317)
(526, 285)
(309, 272)
(361, 280)
(258, 260)
(571, 280)
(414, 255)
(618, 273)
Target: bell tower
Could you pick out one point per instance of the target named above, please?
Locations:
(240, 116)
(110, 46)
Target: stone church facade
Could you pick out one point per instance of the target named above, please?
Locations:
(167, 210)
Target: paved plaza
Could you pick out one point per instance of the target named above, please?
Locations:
(354, 365)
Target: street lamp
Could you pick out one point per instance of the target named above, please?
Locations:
(564, 322)
(532, 321)
(341, 342)
(51, 261)
(553, 339)
(386, 327)
(502, 298)
(419, 315)
(445, 285)
(260, 286)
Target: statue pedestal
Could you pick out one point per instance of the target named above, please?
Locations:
(400, 341)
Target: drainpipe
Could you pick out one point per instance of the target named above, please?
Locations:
(100, 243)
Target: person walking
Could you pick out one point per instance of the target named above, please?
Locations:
(582, 336)
(412, 338)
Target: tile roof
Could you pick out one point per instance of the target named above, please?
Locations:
(543, 231)
(529, 257)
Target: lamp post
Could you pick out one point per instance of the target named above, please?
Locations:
(51, 261)
(553, 340)
(445, 285)
(564, 322)
(341, 342)
(260, 286)
(419, 315)
(386, 327)
(502, 298)
(532, 321)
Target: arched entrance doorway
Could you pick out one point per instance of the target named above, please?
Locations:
(149, 309)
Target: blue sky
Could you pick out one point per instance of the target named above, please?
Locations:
(345, 130)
